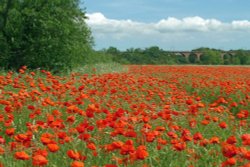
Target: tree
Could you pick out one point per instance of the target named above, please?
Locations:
(113, 50)
(133, 56)
(243, 56)
(227, 59)
(152, 54)
(211, 57)
(43, 33)
(235, 60)
(192, 58)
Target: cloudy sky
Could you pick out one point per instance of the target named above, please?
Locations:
(169, 24)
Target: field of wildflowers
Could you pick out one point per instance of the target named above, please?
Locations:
(148, 116)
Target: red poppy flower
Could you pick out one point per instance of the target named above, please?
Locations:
(73, 154)
(77, 164)
(141, 152)
(10, 131)
(39, 160)
(91, 146)
(53, 147)
(179, 146)
(223, 125)
(231, 140)
(22, 155)
(229, 150)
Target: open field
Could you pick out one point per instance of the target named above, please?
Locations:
(147, 116)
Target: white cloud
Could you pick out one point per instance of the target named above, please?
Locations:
(99, 23)
(192, 30)
(241, 25)
(188, 24)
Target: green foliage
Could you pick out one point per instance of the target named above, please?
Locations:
(179, 59)
(210, 56)
(43, 33)
(227, 59)
(192, 58)
(94, 57)
(244, 57)
(235, 60)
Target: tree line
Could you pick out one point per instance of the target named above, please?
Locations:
(156, 55)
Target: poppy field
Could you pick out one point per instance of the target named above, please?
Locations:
(147, 116)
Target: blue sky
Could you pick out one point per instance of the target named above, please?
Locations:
(169, 24)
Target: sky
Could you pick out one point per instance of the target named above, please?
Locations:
(170, 24)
